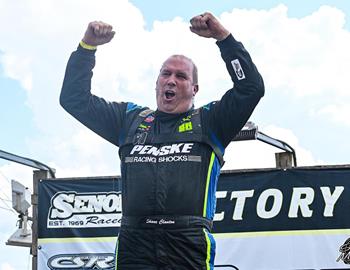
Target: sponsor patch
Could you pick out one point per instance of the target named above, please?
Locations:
(145, 112)
(176, 152)
(82, 261)
(84, 210)
(175, 148)
(149, 119)
(238, 69)
(185, 127)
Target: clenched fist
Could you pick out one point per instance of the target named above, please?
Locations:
(98, 33)
(206, 25)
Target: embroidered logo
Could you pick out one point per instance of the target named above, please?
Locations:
(238, 69)
(149, 119)
(187, 126)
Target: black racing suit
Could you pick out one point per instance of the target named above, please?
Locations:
(170, 163)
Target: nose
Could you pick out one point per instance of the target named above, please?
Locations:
(171, 80)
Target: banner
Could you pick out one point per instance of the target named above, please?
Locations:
(294, 219)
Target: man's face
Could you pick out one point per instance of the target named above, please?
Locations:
(175, 88)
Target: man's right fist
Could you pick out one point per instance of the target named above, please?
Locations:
(98, 33)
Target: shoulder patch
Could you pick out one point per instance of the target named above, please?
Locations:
(238, 69)
(145, 112)
(132, 106)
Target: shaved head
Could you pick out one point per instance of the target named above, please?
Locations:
(194, 67)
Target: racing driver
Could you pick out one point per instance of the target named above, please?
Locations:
(170, 157)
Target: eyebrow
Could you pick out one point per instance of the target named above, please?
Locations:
(182, 73)
(177, 72)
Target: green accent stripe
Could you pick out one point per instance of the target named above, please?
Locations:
(212, 157)
(282, 233)
(76, 239)
(116, 255)
(207, 261)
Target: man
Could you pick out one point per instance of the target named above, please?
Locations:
(171, 157)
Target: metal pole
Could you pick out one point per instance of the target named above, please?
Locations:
(27, 162)
(37, 176)
(252, 133)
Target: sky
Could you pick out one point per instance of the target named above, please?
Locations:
(299, 47)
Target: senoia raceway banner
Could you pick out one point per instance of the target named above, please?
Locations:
(294, 219)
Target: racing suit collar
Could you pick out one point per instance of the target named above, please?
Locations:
(163, 116)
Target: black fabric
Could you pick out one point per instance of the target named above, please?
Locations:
(139, 136)
(167, 222)
(158, 249)
(224, 118)
(159, 177)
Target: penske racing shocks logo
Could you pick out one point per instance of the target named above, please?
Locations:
(176, 152)
(70, 209)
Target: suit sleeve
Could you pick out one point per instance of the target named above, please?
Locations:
(103, 117)
(227, 116)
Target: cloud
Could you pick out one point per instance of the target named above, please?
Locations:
(15, 258)
(90, 156)
(8, 225)
(37, 56)
(294, 52)
(257, 154)
(294, 56)
(126, 70)
(6, 266)
(18, 172)
(304, 58)
(338, 112)
(18, 68)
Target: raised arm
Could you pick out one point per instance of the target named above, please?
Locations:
(206, 25)
(98, 33)
(227, 116)
(103, 117)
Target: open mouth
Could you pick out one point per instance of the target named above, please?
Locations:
(169, 94)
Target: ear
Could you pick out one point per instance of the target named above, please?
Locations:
(156, 83)
(195, 89)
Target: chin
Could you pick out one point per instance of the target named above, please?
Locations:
(167, 110)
